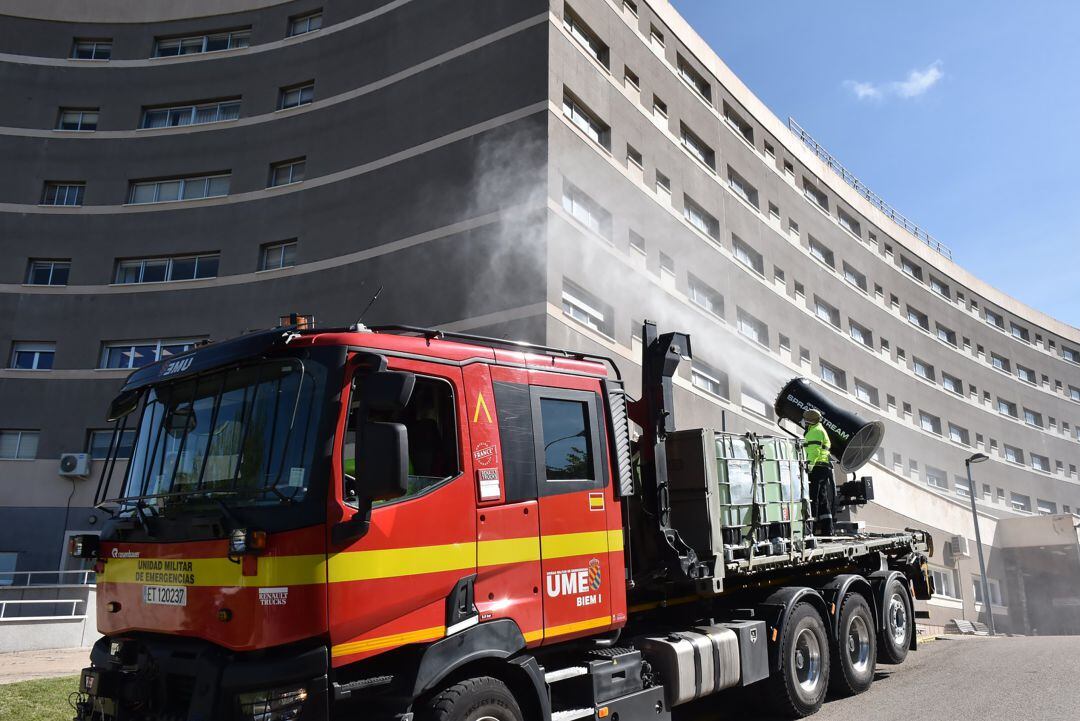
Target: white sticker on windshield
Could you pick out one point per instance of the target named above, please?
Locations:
(296, 477)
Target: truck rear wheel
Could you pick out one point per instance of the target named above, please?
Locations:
(798, 688)
(898, 624)
(476, 699)
(855, 649)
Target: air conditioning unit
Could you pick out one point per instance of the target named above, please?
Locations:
(75, 465)
(959, 546)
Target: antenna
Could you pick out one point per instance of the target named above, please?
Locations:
(359, 321)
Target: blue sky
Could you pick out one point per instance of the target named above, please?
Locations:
(965, 116)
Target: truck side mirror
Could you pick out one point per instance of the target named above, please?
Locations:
(382, 473)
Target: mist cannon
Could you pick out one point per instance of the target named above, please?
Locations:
(854, 440)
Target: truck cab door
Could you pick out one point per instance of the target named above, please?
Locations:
(391, 585)
(574, 494)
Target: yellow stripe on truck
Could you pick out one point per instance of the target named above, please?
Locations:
(357, 565)
(380, 642)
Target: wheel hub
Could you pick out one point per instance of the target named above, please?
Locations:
(807, 661)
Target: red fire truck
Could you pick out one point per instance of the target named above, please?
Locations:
(389, 522)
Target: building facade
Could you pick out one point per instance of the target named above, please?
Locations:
(550, 171)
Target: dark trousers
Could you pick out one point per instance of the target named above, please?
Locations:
(822, 498)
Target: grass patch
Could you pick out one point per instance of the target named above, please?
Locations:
(40, 700)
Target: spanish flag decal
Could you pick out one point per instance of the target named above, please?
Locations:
(596, 501)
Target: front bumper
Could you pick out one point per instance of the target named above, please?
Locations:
(167, 678)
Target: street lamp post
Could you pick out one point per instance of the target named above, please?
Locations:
(979, 458)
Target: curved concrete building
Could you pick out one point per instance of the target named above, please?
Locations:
(544, 170)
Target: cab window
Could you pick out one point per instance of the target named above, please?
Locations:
(430, 423)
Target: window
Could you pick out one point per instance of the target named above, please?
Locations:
(702, 295)
(586, 210)
(848, 223)
(1032, 418)
(667, 270)
(740, 126)
(631, 78)
(86, 49)
(1006, 408)
(136, 354)
(77, 119)
(100, 441)
(959, 434)
(939, 287)
(63, 193)
(194, 188)
(861, 333)
(1074, 393)
(659, 108)
(833, 375)
(637, 242)
(708, 379)
(945, 583)
(922, 369)
(663, 187)
(929, 423)
(822, 252)
(631, 6)
(1014, 454)
(1000, 362)
(32, 356)
(162, 270)
(816, 195)
(195, 44)
(1025, 374)
(430, 426)
(1040, 463)
(585, 36)
(296, 95)
(287, 172)
(946, 335)
(700, 218)
(747, 255)
(769, 149)
(1019, 332)
(18, 445)
(963, 488)
(753, 328)
(586, 308)
(826, 312)
(567, 437)
(277, 255)
(779, 276)
(191, 114)
(588, 123)
(857, 279)
(952, 384)
(53, 272)
(742, 188)
(656, 39)
(694, 79)
(697, 147)
(1021, 503)
(300, 24)
(774, 211)
(917, 317)
(937, 478)
(793, 227)
(1069, 354)
(866, 393)
(633, 157)
(993, 585)
(911, 269)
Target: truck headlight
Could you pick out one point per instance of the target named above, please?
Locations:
(280, 704)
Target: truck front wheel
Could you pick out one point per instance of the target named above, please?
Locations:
(476, 699)
(898, 624)
(855, 649)
(798, 688)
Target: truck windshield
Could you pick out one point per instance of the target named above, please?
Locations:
(245, 435)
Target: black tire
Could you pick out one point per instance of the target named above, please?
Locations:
(474, 699)
(854, 650)
(898, 624)
(798, 688)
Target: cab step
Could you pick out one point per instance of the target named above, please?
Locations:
(572, 714)
(564, 673)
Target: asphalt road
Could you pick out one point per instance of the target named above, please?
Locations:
(951, 679)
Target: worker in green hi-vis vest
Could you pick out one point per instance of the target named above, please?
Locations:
(819, 466)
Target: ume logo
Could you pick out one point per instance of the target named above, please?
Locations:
(580, 582)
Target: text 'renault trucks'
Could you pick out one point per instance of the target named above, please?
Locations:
(395, 522)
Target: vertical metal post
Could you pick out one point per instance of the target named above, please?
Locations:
(987, 601)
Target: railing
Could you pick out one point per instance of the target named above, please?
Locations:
(41, 602)
(29, 579)
(863, 190)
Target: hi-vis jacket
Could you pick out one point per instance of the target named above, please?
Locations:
(817, 445)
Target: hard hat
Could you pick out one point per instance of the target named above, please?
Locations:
(812, 415)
